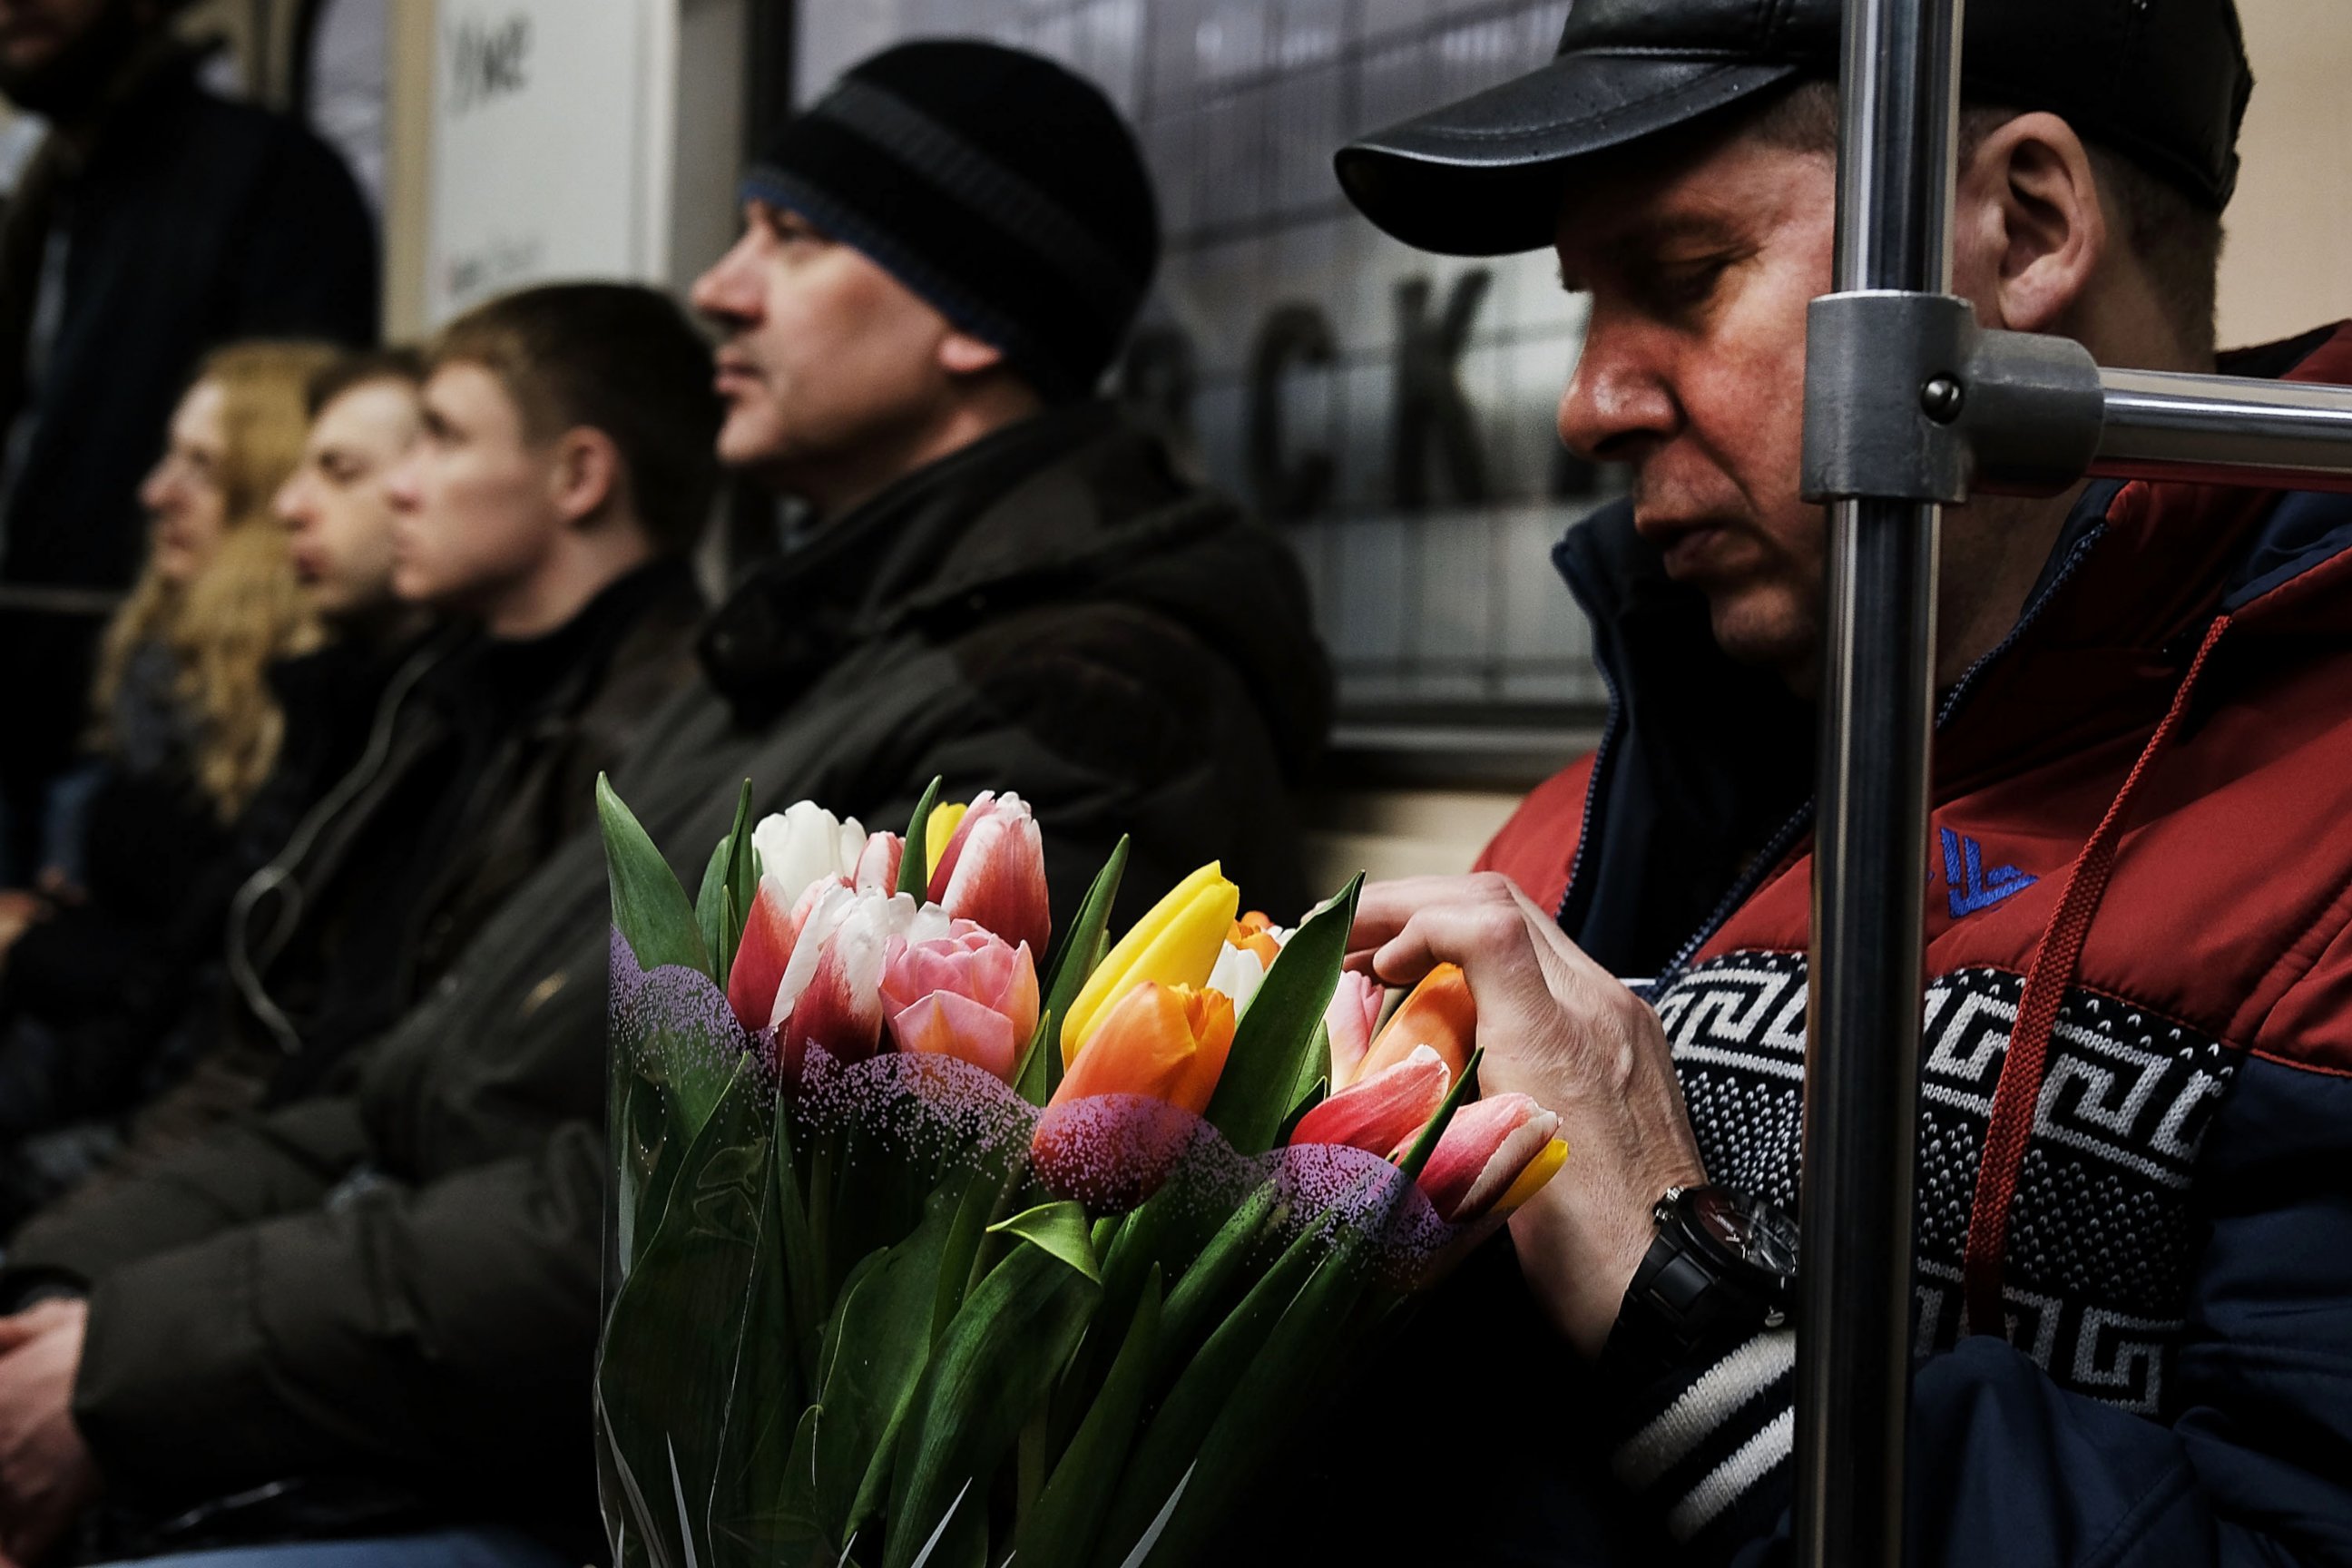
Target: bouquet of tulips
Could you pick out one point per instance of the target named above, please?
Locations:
(930, 1250)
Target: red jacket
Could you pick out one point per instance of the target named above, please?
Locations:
(2142, 844)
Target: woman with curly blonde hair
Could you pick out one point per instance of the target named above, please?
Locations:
(186, 725)
(184, 662)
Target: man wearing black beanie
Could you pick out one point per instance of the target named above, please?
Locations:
(940, 259)
(1005, 585)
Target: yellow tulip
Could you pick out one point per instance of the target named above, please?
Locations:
(1177, 944)
(937, 828)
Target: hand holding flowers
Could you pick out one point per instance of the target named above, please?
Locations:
(1561, 1032)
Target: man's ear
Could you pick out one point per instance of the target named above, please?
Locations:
(961, 353)
(586, 473)
(2031, 234)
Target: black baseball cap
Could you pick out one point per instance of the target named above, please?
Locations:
(2163, 82)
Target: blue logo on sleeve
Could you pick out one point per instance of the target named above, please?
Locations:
(1972, 887)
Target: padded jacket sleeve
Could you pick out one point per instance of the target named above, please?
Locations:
(245, 1173)
(438, 1332)
(2254, 1466)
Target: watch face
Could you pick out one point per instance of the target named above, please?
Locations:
(1757, 1235)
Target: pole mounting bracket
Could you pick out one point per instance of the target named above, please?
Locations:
(1907, 398)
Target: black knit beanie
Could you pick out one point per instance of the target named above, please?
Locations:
(992, 182)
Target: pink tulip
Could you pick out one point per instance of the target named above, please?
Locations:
(993, 871)
(1383, 1114)
(968, 994)
(877, 866)
(770, 935)
(1355, 1009)
(1486, 1149)
(830, 994)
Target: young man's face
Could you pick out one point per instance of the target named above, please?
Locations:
(473, 503)
(825, 353)
(186, 502)
(1693, 374)
(337, 506)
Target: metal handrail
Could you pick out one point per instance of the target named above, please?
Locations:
(1988, 410)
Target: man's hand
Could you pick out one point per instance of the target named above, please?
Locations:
(18, 911)
(46, 1475)
(1557, 1027)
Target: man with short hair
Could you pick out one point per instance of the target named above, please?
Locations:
(2133, 1249)
(561, 472)
(337, 506)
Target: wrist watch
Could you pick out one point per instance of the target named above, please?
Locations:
(1722, 1266)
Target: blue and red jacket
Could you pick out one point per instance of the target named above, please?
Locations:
(2133, 1300)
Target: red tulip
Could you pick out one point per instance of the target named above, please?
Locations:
(1355, 1009)
(968, 994)
(770, 935)
(1494, 1154)
(1168, 1042)
(1381, 1114)
(830, 994)
(1438, 1014)
(993, 871)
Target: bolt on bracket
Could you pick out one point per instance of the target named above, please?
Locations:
(1907, 398)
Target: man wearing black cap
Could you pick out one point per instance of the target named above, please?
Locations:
(374, 1312)
(2132, 1283)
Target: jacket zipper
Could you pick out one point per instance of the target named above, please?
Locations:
(1776, 849)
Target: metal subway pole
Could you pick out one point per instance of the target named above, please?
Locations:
(1900, 100)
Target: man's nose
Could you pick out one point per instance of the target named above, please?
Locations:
(289, 504)
(403, 486)
(728, 293)
(1621, 396)
(156, 491)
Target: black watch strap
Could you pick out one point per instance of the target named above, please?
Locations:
(1680, 1298)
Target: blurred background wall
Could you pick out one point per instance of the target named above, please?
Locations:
(1391, 410)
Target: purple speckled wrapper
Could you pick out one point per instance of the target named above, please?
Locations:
(941, 1114)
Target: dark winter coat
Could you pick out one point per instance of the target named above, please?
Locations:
(400, 1283)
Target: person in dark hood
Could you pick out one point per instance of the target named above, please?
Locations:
(374, 1311)
(155, 222)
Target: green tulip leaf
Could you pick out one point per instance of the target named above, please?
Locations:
(1274, 1043)
(1062, 1229)
(663, 1353)
(1167, 1447)
(1059, 1530)
(648, 905)
(1464, 1089)
(1287, 1376)
(915, 861)
(741, 887)
(1082, 948)
(1205, 1287)
(962, 1252)
(710, 902)
(989, 1374)
(875, 1352)
(1312, 1095)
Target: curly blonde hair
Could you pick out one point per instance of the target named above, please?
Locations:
(245, 610)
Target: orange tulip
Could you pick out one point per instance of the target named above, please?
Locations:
(1255, 933)
(1165, 1041)
(1439, 1015)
